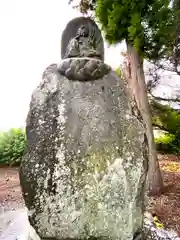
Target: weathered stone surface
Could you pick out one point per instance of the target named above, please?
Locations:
(84, 170)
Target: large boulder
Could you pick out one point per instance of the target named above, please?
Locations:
(83, 174)
(84, 170)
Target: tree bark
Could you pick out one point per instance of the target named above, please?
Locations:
(137, 86)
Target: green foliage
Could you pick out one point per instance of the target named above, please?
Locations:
(168, 143)
(165, 139)
(167, 119)
(12, 145)
(118, 72)
(146, 24)
(151, 26)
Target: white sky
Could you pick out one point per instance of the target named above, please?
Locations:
(30, 33)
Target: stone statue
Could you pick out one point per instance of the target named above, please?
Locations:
(83, 44)
(83, 56)
(84, 170)
(82, 38)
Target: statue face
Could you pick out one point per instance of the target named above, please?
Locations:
(83, 31)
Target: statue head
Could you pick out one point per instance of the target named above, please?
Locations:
(83, 31)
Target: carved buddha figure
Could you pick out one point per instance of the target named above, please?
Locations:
(83, 44)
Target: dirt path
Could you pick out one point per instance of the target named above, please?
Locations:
(10, 191)
(167, 206)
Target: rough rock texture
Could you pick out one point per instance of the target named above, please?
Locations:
(84, 170)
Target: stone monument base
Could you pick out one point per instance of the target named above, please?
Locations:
(83, 69)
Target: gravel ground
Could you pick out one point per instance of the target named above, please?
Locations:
(10, 191)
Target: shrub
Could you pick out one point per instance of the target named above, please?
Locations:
(165, 139)
(166, 119)
(12, 145)
(168, 143)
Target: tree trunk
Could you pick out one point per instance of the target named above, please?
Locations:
(137, 86)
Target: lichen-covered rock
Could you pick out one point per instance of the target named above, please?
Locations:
(84, 171)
